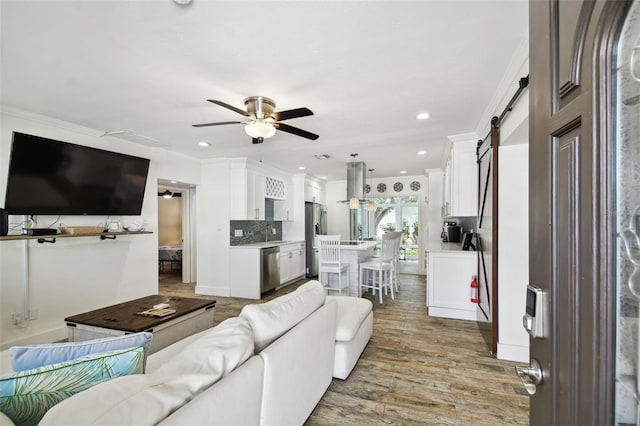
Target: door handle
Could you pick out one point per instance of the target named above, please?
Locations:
(531, 376)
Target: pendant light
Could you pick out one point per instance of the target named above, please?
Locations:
(371, 206)
(354, 202)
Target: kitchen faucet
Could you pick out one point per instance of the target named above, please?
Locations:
(266, 232)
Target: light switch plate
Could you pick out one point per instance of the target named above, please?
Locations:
(237, 233)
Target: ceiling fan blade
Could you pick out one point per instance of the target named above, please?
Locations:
(291, 113)
(295, 131)
(231, 107)
(217, 124)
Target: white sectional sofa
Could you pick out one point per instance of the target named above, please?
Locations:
(268, 366)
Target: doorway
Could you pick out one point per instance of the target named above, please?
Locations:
(176, 233)
(400, 214)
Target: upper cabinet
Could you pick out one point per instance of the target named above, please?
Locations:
(314, 191)
(460, 191)
(251, 186)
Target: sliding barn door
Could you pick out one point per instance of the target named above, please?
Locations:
(487, 239)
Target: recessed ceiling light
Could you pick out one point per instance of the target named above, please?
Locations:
(301, 168)
(204, 143)
(173, 181)
(323, 177)
(403, 172)
(422, 152)
(423, 116)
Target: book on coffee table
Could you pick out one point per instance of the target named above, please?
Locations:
(163, 312)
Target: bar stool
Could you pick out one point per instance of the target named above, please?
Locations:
(329, 262)
(380, 268)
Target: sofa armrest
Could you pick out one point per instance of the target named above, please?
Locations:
(298, 369)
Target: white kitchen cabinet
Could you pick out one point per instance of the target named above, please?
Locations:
(449, 274)
(292, 261)
(255, 195)
(460, 191)
(247, 189)
(313, 192)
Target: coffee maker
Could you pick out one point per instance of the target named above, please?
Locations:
(451, 232)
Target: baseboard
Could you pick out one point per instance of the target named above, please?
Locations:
(54, 335)
(452, 313)
(211, 290)
(513, 353)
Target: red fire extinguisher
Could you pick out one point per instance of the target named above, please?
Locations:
(474, 289)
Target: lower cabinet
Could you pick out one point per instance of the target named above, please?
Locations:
(292, 261)
(449, 275)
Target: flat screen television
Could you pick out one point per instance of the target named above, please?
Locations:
(50, 177)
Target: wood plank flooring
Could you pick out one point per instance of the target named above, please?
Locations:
(415, 370)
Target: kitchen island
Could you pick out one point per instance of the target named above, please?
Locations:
(353, 253)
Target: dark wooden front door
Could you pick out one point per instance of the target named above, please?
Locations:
(572, 46)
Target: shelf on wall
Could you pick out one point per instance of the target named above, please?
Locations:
(52, 238)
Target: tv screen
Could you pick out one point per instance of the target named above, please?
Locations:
(51, 177)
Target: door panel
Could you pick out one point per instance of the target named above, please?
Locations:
(486, 240)
(570, 218)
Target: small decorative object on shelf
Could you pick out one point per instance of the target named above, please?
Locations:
(382, 187)
(398, 186)
(415, 185)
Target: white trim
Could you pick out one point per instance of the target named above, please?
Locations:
(53, 335)
(452, 313)
(211, 290)
(513, 353)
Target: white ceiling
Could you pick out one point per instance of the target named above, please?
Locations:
(365, 68)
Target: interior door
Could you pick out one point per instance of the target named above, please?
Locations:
(572, 46)
(486, 239)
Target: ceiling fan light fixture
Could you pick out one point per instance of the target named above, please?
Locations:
(260, 129)
(167, 194)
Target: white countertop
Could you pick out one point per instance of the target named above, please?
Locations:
(440, 246)
(363, 245)
(265, 244)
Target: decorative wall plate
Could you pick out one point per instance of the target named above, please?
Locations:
(415, 185)
(367, 188)
(382, 187)
(398, 186)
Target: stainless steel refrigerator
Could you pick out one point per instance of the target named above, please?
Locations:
(315, 223)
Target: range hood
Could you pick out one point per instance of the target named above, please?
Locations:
(356, 173)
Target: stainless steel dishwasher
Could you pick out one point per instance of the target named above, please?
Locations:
(270, 266)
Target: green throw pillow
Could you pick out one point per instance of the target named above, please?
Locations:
(26, 396)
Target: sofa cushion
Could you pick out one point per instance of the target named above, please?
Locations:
(25, 396)
(34, 356)
(217, 352)
(351, 312)
(272, 319)
(147, 399)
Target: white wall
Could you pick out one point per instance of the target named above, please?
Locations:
(213, 215)
(434, 205)
(513, 251)
(77, 274)
(337, 213)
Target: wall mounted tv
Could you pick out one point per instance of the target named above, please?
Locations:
(50, 177)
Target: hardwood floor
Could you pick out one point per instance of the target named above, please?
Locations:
(415, 370)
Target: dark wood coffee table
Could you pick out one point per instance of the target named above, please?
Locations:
(191, 316)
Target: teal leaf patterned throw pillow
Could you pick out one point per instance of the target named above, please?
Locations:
(26, 396)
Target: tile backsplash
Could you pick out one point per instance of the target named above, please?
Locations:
(254, 231)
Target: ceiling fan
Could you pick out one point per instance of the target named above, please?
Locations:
(263, 121)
